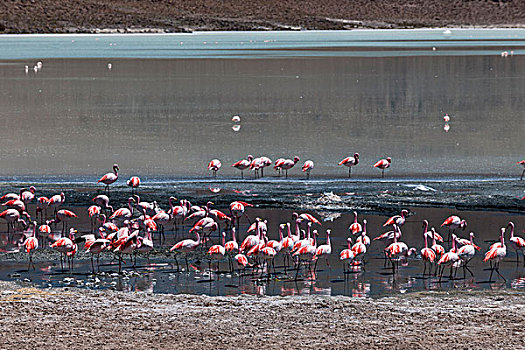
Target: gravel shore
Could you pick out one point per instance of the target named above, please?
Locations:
(121, 16)
(72, 318)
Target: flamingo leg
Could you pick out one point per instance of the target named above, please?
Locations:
(523, 173)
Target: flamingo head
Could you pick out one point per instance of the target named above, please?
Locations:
(115, 167)
(295, 159)
(388, 159)
(425, 223)
(463, 224)
(295, 216)
(510, 225)
(32, 189)
(404, 212)
(356, 155)
(412, 251)
(250, 157)
(328, 231)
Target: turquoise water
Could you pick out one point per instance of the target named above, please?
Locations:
(355, 43)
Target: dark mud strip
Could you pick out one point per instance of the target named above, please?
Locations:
(70, 318)
(368, 196)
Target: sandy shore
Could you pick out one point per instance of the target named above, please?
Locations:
(102, 16)
(73, 318)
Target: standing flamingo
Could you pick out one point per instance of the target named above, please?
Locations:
(450, 258)
(65, 245)
(124, 213)
(347, 255)
(110, 178)
(12, 216)
(522, 163)
(454, 222)
(63, 216)
(186, 246)
(133, 182)
(324, 250)
(243, 164)
(497, 254)
(399, 220)
(42, 203)
(466, 253)
(383, 164)
(214, 165)
(277, 166)
(307, 167)
(217, 252)
(355, 228)
(237, 209)
(350, 162)
(31, 244)
(287, 164)
(103, 201)
(516, 243)
(427, 254)
(27, 196)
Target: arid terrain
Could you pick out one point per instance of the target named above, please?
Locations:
(91, 16)
(72, 318)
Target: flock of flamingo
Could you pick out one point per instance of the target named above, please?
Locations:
(129, 231)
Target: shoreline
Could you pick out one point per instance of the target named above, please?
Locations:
(67, 317)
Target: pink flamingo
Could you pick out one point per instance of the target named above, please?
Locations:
(15, 204)
(516, 243)
(350, 162)
(186, 246)
(217, 252)
(449, 258)
(454, 222)
(466, 253)
(31, 244)
(63, 216)
(307, 167)
(93, 212)
(214, 165)
(463, 241)
(324, 250)
(278, 163)
(399, 220)
(27, 196)
(396, 250)
(355, 227)
(287, 164)
(383, 164)
(364, 237)
(65, 245)
(243, 164)
(306, 253)
(238, 209)
(347, 255)
(42, 203)
(103, 201)
(522, 163)
(359, 249)
(13, 216)
(110, 178)
(497, 254)
(56, 201)
(427, 254)
(133, 182)
(124, 213)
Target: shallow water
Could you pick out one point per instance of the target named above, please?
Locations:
(169, 117)
(162, 276)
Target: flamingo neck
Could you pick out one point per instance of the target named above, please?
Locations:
(328, 238)
(426, 241)
(233, 234)
(511, 231)
(198, 237)
(289, 231)
(280, 233)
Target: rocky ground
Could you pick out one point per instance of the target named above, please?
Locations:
(72, 318)
(73, 16)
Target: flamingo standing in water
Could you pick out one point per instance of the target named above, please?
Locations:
(27, 196)
(496, 254)
(450, 258)
(264, 162)
(355, 228)
(399, 220)
(65, 245)
(133, 182)
(237, 209)
(516, 243)
(350, 162)
(347, 255)
(103, 201)
(454, 222)
(324, 250)
(522, 163)
(186, 246)
(110, 178)
(383, 164)
(286, 164)
(243, 164)
(31, 244)
(214, 165)
(42, 203)
(124, 213)
(63, 216)
(56, 201)
(307, 167)
(427, 254)
(12, 216)
(217, 252)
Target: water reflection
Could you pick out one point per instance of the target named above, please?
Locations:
(163, 276)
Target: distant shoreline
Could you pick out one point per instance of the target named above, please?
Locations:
(180, 16)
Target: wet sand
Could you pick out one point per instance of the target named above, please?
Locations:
(69, 318)
(53, 16)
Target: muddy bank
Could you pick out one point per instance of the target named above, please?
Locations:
(329, 195)
(67, 318)
(100, 16)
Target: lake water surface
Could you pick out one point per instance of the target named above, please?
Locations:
(165, 107)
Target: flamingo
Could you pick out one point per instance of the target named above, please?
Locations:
(163, 218)
(396, 249)
(110, 178)
(522, 163)
(453, 222)
(126, 245)
(255, 165)
(63, 216)
(145, 244)
(147, 207)
(430, 233)
(359, 249)
(287, 164)
(133, 182)
(364, 237)
(347, 255)
(399, 220)
(306, 253)
(324, 250)
(56, 201)
(305, 241)
(186, 246)
(42, 203)
(103, 201)
(278, 163)
(93, 211)
(15, 204)
(516, 243)
(12, 216)
(123, 213)
(11, 196)
(307, 167)
(497, 254)
(263, 163)
(350, 162)
(237, 210)
(31, 244)
(252, 240)
(466, 253)
(27, 196)
(214, 165)
(65, 245)
(427, 254)
(355, 227)
(383, 164)
(309, 218)
(449, 258)
(97, 247)
(179, 212)
(462, 241)
(243, 164)
(206, 226)
(217, 252)
(268, 255)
